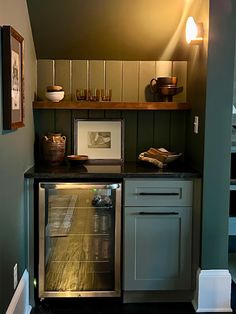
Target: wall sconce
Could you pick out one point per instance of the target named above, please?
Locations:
(194, 31)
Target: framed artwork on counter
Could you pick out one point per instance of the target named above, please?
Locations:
(100, 139)
(13, 78)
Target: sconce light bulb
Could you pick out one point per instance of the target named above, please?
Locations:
(191, 30)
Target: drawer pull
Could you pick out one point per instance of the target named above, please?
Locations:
(158, 213)
(158, 193)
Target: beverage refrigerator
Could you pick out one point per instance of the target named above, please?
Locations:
(79, 232)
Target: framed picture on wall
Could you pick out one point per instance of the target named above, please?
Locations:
(13, 78)
(100, 139)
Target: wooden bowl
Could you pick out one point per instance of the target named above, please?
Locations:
(54, 88)
(77, 160)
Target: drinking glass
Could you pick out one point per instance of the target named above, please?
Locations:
(106, 94)
(93, 94)
(81, 94)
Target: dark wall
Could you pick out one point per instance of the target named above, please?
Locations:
(217, 141)
(196, 87)
(15, 158)
(142, 129)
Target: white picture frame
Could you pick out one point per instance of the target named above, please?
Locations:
(100, 139)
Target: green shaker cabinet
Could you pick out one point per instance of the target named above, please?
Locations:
(157, 234)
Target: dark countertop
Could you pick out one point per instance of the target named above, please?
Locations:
(126, 170)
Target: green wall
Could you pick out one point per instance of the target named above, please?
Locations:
(196, 87)
(217, 141)
(16, 156)
(142, 129)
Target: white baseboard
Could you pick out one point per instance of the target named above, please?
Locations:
(20, 301)
(213, 291)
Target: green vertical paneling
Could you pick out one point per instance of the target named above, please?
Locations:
(147, 72)
(63, 126)
(44, 121)
(96, 114)
(96, 74)
(161, 130)
(180, 70)
(113, 78)
(45, 77)
(145, 131)
(63, 76)
(112, 114)
(130, 135)
(76, 114)
(142, 129)
(79, 76)
(130, 81)
(163, 68)
(178, 131)
(79, 114)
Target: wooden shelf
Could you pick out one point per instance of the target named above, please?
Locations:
(110, 105)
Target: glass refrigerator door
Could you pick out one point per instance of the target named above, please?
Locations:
(79, 239)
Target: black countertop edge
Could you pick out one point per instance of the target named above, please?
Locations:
(126, 170)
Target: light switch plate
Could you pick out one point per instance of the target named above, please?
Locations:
(15, 276)
(196, 124)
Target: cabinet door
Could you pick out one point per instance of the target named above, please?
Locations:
(157, 248)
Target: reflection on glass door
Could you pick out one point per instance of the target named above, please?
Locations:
(79, 239)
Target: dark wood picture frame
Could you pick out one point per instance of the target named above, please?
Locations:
(13, 78)
(114, 128)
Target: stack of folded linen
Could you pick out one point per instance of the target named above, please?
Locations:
(159, 156)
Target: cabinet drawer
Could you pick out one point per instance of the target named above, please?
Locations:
(158, 192)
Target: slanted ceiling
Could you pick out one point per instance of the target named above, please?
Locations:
(109, 29)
